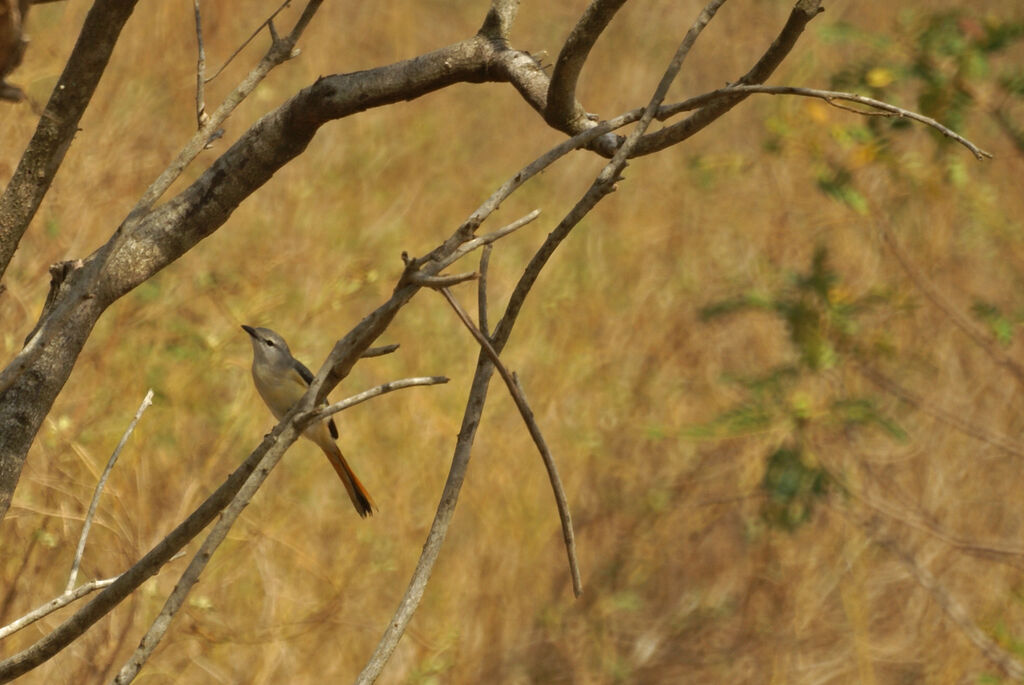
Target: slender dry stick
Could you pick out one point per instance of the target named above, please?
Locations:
(217, 534)
(384, 388)
(256, 32)
(485, 261)
(201, 115)
(280, 51)
(516, 391)
(830, 96)
(73, 576)
(379, 351)
(296, 422)
(445, 281)
(53, 605)
(602, 185)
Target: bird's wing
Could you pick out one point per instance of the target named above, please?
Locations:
(307, 376)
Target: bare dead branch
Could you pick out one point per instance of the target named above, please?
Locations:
(379, 351)
(485, 260)
(80, 550)
(384, 388)
(803, 12)
(829, 96)
(296, 421)
(59, 121)
(602, 185)
(485, 367)
(149, 565)
(53, 605)
(213, 540)
(201, 115)
(256, 32)
(444, 281)
(516, 391)
(499, 19)
(563, 111)
(488, 239)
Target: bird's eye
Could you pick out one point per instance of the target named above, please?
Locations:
(270, 342)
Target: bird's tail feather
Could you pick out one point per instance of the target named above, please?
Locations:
(357, 493)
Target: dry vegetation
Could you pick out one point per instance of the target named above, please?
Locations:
(684, 580)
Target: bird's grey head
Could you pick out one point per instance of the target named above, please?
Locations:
(268, 346)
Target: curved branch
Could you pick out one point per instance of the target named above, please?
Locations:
(563, 111)
(601, 187)
(830, 96)
(519, 397)
(802, 14)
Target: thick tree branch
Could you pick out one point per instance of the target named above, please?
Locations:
(563, 111)
(59, 122)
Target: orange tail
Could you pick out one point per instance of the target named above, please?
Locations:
(356, 492)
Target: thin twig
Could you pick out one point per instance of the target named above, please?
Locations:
(489, 238)
(384, 388)
(526, 412)
(485, 261)
(73, 576)
(829, 96)
(201, 115)
(278, 53)
(53, 605)
(249, 40)
(602, 185)
(379, 351)
(444, 281)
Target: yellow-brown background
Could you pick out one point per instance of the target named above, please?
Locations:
(682, 581)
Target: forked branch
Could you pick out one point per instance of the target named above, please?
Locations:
(516, 391)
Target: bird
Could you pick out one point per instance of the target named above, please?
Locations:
(281, 381)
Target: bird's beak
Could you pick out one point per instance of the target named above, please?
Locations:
(250, 330)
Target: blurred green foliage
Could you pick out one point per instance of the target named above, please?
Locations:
(824, 332)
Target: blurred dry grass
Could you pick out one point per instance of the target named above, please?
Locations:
(683, 582)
